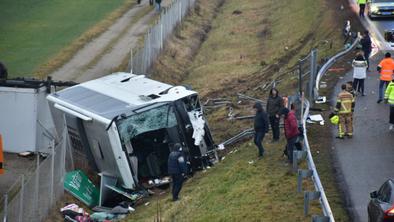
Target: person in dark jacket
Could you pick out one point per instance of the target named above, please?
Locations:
(260, 127)
(3, 72)
(177, 168)
(291, 131)
(366, 46)
(274, 106)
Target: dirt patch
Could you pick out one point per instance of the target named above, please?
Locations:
(203, 63)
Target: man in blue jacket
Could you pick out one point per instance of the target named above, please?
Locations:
(260, 127)
(177, 168)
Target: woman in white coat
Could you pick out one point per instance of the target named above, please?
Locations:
(359, 73)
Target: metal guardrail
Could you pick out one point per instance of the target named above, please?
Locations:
(311, 165)
(329, 63)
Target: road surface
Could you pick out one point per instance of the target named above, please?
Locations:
(376, 27)
(366, 160)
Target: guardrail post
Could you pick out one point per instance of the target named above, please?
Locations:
(297, 156)
(301, 175)
(317, 218)
(308, 196)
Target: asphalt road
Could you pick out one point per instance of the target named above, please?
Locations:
(366, 160)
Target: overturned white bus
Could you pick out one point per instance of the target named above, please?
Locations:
(126, 124)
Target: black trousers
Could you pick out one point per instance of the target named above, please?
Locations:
(392, 114)
(366, 55)
(177, 182)
(274, 122)
(362, 9)
(258, 141)
(290, 148)
(358, 85)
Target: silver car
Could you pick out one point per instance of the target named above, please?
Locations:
(380, 8)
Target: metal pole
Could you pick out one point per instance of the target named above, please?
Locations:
(21, 198)
(51, 194)
(131, 60)
(37, 190)
(5, 210)
(312, 74)
(161, 34)
(300, 76)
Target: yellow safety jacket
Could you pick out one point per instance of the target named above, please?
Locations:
(362, 2)
(345, 102)
(389, 95)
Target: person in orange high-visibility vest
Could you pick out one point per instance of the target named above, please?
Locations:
(385, 68)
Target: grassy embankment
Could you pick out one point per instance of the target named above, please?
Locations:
(232, 46)
(36, 37)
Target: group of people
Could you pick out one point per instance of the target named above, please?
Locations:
(346, 98)
(264, 119)
(157, 2)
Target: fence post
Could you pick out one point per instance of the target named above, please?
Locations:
(37, 185)
(161, 35)
(51, 198)
(180, 11)
(21, 198)
(300, 76)
(313, 70)
(5, 210)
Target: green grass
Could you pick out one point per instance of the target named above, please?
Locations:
(34, 31)
(235, 190)
(240, 52)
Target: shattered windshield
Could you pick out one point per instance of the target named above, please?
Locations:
(150, 120)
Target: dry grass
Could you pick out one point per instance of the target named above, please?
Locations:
(66, 53)
(220, 53)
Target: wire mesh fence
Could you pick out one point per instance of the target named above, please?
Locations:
(142, 59)
(31, 197)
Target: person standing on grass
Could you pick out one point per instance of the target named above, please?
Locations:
(274, 106)
(158, 5)
(177, 168)
(260, 127)
(389, 98)
(3, 72)
(291, 131)
(361, 4)
(366, 46)
(385, 68)
(359, 73)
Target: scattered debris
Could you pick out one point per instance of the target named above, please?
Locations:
(321, 99)
(147, 203)
(316, 118)
(78, 184)
(336, 69)
(221, 147)
(26, 154)
(251, 162)
(237, 12)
